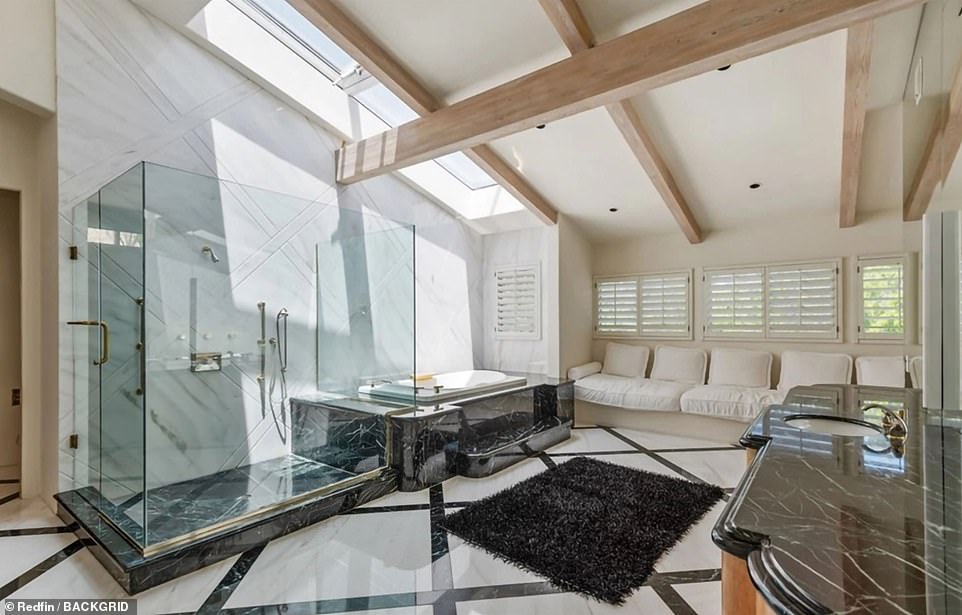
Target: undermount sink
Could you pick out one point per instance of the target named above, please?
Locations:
(833, 426)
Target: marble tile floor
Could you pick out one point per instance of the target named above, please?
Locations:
(390, 557)
(9, 483)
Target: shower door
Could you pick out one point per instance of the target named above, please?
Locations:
(109, 312)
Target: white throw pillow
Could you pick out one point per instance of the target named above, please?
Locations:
(625, 360)
(880, 371)
(743, 368)
(807, 368)
(679, 364)
(583, 371)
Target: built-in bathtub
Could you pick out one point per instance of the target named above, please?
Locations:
(443, 387)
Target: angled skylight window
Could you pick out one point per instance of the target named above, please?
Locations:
(462, 167)
(393, 111)
(296, 25)
(381, 102)
(299, 35)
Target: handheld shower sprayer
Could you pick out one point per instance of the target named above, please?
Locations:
(210, 252)
(279, 375)
(282, 340)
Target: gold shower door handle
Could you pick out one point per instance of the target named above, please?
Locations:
(104, 337)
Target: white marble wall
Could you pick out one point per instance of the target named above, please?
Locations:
(132, 89)
(524, 247)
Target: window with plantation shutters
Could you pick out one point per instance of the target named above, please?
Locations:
(735, 302)
(803, 301)
(616, 307)
(651, 305)
(881, 298)
(664, 305)
(518, 302)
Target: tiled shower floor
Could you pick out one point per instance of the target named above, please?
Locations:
(179, 508)
(390, 557)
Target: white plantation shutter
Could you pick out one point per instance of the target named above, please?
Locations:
(881, 298)
(616, 307)
(665, 305)
(735, 302)
(518, 302)
(803, 300)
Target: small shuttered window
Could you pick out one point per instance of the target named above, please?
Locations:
(735, 302)
(665, 301)
(655, 305)
(881, 298)
(518, 302)
(616, 307)
(803, 300)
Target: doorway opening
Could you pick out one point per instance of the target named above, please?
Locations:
(10, 346)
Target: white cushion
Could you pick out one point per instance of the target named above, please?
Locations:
(625, 360)
(730, 402)
(584, 370)
(679, 364)
(880, 371)
(808, 368)
(915, 372)
(631, 393)
(744, 368)
(605, 389)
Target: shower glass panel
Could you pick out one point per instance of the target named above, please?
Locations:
(212, 293)
(107, 345)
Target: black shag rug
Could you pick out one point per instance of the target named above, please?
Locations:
(587, 526)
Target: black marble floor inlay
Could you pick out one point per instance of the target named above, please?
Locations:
(179, 508)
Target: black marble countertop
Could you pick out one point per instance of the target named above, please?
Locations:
(851, 524)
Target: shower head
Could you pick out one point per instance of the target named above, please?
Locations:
(210, 251)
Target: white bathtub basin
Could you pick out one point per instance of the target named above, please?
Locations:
(444, 386)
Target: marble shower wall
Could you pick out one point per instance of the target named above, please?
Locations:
(130, 88)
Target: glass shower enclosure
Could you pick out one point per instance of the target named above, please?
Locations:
(201, 307)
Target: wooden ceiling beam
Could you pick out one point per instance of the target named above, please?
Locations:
(574, 30)
(858, 61)
(940, 154)
(341, 29)
(695, 41)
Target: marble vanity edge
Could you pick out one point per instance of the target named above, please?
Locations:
(765, 574)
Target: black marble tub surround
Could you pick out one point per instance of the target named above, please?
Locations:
(480, 435)
(852, 524)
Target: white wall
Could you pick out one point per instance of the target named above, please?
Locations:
(27, 164)
(27, 55)
(574, 296)
(131, 88)
(525, 247)
(812, 237)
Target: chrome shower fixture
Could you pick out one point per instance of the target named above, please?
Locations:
(210, 251)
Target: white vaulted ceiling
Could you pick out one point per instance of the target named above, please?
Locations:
(775, 119)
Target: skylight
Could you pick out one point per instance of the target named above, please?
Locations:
(393, 111)
(462, 167)
(311, 44)
(304, 31)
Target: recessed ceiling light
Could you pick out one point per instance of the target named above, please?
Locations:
(754, 186)
(540, 126)
(612, 209)
(724, 68)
